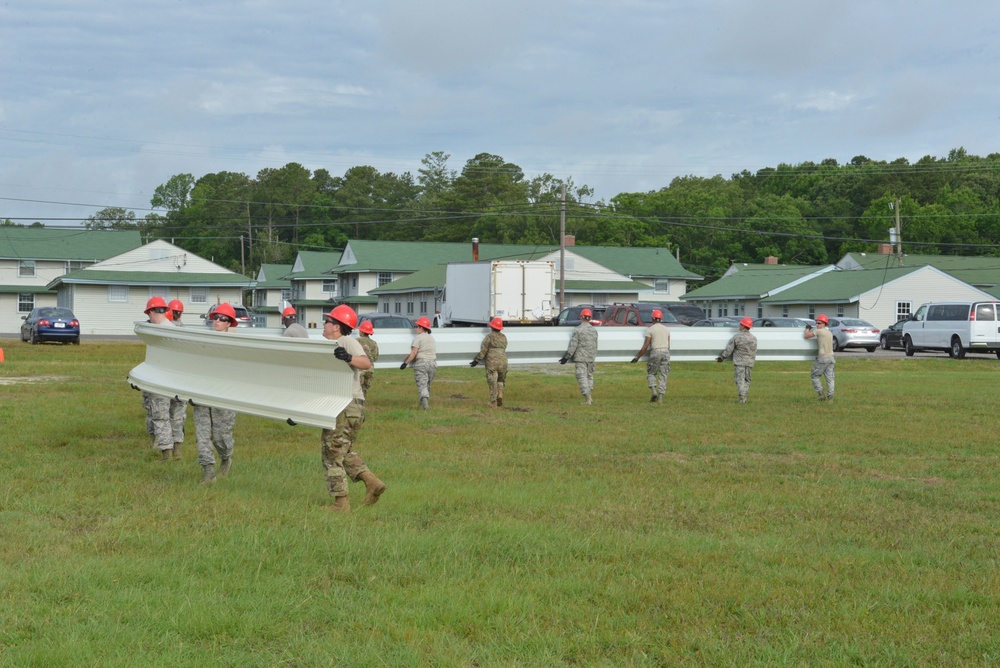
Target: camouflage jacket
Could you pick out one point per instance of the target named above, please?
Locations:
(583, 343)
(494, 349)
(742, 348)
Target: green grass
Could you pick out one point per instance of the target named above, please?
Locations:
(696, 532)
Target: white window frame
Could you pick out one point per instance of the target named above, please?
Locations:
(904, 309)
(409, 306)
(784, 311)
(73, 265)
(840, 311)
(329, 286)
(26, 269)
(599, 298)
(399, 305)
(118, 294)
(159, 292)
(198, 296)
(811, 311)
(25, 302)
(661, 286)
(383, 278)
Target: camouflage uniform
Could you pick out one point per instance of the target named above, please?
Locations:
(658, 362)
(368, 375)
(582, 352)
(824, 365)
(494, 353)
(158, 420)
(339, 459)
(743, 349)
(213, 427)
(425, 364)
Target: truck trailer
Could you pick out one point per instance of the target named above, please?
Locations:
(516, 291)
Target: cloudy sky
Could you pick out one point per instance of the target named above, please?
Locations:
(101, 101)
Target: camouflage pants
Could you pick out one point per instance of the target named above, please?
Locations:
(823, 369)
(339, 459)
(366, 381)
(585, 377)
(496, 378)
(658, 371)
(178, 415)
(423, 373)
(158, 419)
(741, 374)
(213, 429)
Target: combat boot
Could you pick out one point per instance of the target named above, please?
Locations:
(586, 400)
(341, 504)
(177, 450)
(165, 455)
(373, 488)
(227, 463)
(492, 404)
(500, 400)
(209, 474)
(821, 396)
(424, 403)
(152, 441)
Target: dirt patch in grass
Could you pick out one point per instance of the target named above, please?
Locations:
(14, 380)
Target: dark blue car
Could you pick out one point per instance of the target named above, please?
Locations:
(50, 323)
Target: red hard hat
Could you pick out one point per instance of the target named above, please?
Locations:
(366, 327)
(823, 319)
(746, 322)
(657, 314)
(287, 312)
(345, 315)
(586, 312)
(155, 302)
(227, 310)
(496, 323)
(423, 322)
(176, 305)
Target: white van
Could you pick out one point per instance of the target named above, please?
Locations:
(957, 327)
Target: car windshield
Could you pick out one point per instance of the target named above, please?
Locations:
(646, 313)
(55, 313)
(854, 322)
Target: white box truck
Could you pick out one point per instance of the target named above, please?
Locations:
(516, 291)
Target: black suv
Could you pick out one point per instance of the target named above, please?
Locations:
(637, 315)
(570, 317)
(686, 314)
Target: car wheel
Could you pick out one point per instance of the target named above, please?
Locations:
(76, 341)
(908, 346)
(884, 342)
(836, 345)
(956, 350)
(871, 349)
(32, 339)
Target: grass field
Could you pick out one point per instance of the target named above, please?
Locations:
(697, 532)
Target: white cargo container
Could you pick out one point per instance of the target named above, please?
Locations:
(518, 292)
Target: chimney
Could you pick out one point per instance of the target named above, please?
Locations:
(885, 249)
(569, 239)
(475, 249)
(770, 259)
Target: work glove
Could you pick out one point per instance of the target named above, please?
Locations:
(563, 359)
(342, 354)
(719, 358)
(403, 365)
(634, 360)
(473, 362)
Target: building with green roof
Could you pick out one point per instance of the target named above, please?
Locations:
(741, 290)
(271, 292)
(31, 257)
(110, 296)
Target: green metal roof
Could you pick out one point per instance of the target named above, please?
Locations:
(313, 265)
(274, 276)
(605, 286)
(945, 263)
(986, 279)
(642, 262)
(753, 283)
(92, 276)
(415, 255)
(839, 286)
(25, 289)
(427, 279)
(39, 243)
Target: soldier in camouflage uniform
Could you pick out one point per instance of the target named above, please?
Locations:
(158, 407)
(743, 349)
(178, 407)
(371, 349)
(825, 363)
(583, 351)
(213, 427)
(423, 356)
(657, 342)
(339, 459)
(494, 353)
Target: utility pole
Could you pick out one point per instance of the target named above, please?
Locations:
(899, 236)
(562, 251)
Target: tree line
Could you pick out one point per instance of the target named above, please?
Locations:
(809, 213)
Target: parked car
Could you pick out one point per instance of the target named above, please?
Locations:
(244, 318)
(637, 315)
(725, 321)
(781, 322)
(570, 317)
(854, 333)
(386, 321)
(686, 314)
(892, 336)
(50, 323)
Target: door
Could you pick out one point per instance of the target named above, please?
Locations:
(984, 329)
(915, 328)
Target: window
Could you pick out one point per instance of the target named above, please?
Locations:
(384, 277)
(286, 295)
(723, 309)
(159, 292)
(354, 281)
(760, 310)
(26, 268)
(739, 309)
(25, 302)
(385, 306)
(409, 307)
(118, 294)
(811, 311)
(840, 311)
(330, 287)
(73, 265)
(423, 306)
(784, 311)
(661, 286)
(903, 310)
(399, 305)
(198, 296)
(599, 298)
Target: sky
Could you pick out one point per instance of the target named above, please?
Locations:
(101, 101)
